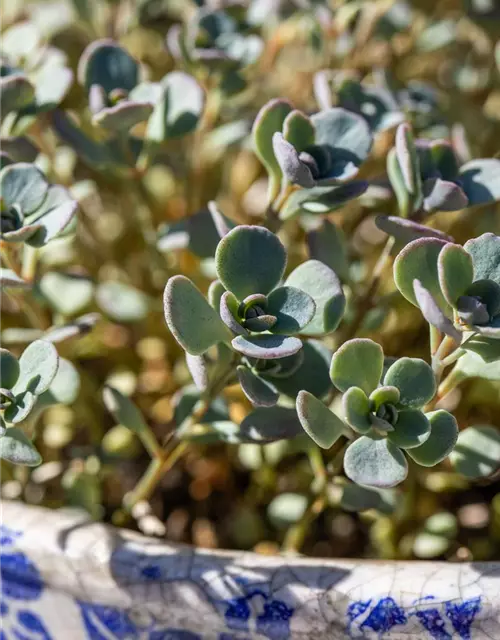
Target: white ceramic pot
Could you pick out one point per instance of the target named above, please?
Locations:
(67, 578)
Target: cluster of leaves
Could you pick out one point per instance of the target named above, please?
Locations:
(147, 148)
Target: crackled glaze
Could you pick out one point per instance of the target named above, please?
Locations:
(64, 577)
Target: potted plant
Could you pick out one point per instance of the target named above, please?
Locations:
(241, 313)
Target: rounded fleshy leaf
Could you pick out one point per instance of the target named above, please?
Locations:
(260, 392)
(324, 287)
(267, 347)
(123, 409)
(489, 293)
(228, 306)
(193, 322)
(286, 509)
(440, 443)
(443, 195)
(23, 185)
(10, 280)
(397, 181)
(9, 369)
(20, 409)
(179, 110)
(408, 159)
(93, 153)
(405, 230)
(477, 452)
(250, 260)
(267, 424)
(15, 447)
(327, 244)
(77, 327)
(415, 380)
(65, 292)
(480, 180)
(293, 169)
(320, 424)
(298, 130)
(222, 224)
(106, 63)
(123, 116)
(37, 367)
(442, 524)
(418, 261)
(472, 365)
(485, 252)
(64, 388)
(486, 347)
(455, 272)
(311, 374)
(357, 363)
(432, 312)
(52, 82)
(429, 545)
(383, 395)
(356, 406)
(16, 92)
(375, 463)
(269, 120)
(264, 322)
(411, 430)
(320, 200)
(293, 309)
(347, 136)
(198, 369)
(122, 302)
(215, 292)
(356, 498)
(52, 223)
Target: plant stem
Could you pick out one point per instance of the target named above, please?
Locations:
(158, 467)
(163, 461)
(30, 261)
(295, 536)
(435, 339)
(9, 258)
(272, 212)
(365, 303)
(32, 314)
(318, 467)
(454, 378)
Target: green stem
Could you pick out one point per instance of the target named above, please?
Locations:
(30, 261)
(8, 258)
(318, 467)
(435, 339)
(366, 301)
(32, 314)
(295, 536)
(163, 461)
(272, 212)
(454, 378)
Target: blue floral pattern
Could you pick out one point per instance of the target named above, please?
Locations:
(20, 584)
(255, 610)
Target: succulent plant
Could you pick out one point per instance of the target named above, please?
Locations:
(33, 211)
(386, 409)
(288, 217)
(34, 77)
(457, 288)
(426, 176)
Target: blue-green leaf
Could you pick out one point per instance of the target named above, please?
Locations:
(193, 322)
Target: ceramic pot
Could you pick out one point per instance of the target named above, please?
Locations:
(65, 577)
